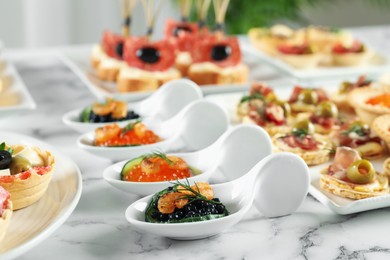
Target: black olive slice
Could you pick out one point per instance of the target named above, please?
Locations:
(220, 52)
(5, 159)
(148, 54)
(119, 49)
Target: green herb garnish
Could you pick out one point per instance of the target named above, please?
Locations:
(158, 154)
(299, 132)
(251, 97)
(196, 195)
(2, 148)
(129, 127)
(355, 128)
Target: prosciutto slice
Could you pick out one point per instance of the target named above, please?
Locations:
(344, 157)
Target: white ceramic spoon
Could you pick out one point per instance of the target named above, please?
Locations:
(230, 157)
(197, 126)
(277, 185)
(166, 102)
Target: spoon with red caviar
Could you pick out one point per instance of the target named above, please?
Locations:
(195, 127)
(276, 186)
(227, 159)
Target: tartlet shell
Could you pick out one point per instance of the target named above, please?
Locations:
(5, 219)
(28, 191)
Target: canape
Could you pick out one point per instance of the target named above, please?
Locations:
(351, 177)
(369, 103)
(313, 148)
(353, 54)
(267, 40)
(150, 64)
(26, 172)
(217, 60)
(325, 118)
(381, 126)
(340, 97)
(358, 135)
(300, 56)
(306, 99)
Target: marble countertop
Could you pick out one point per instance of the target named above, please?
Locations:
(97, 229)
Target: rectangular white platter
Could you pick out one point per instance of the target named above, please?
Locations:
(78, 60)
(379, 63)
(15, 98)
(337, 204)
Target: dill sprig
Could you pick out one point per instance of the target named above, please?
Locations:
(195, 195)
(251, 97)
(299, 132)
(158, 154)
(129, 127)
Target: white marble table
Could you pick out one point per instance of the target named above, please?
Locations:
(98, 230)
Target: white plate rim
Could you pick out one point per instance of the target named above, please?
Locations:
(60, 218)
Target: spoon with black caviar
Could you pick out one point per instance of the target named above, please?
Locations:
(276, 186)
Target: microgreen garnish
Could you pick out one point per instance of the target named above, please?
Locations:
(2, 148)
(251, 97)
(299, 132)
(129, 127)
(355, 128)
(158, 154)
(195, 194)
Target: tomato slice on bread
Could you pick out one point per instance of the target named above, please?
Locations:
(183, 34)
(151, 56)
(112, 44)
(223, 52)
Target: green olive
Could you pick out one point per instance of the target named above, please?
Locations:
(19, 164)
(286, 107)
(271, 97)
(344, 88)
(327, 109)
(304, 125)
(361, 172)
(308, 96)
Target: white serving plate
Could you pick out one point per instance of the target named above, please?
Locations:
(15, 98)
(31, 225)
(79, 61)
(379, 63)
(337, 204)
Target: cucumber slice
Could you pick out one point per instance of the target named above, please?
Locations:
(130, 165)
(84, 116)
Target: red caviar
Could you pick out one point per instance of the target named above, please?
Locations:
(134, 134)
(159, 169)
(383, 100)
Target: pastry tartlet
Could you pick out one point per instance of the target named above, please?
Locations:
(300, 56)
(5, 212)
(267, 40)
(358, 135)
(381, 126)
(26, 173)
(340, 98)
(369, 103)
(351, 177)
(354, 54)
(313, 148)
